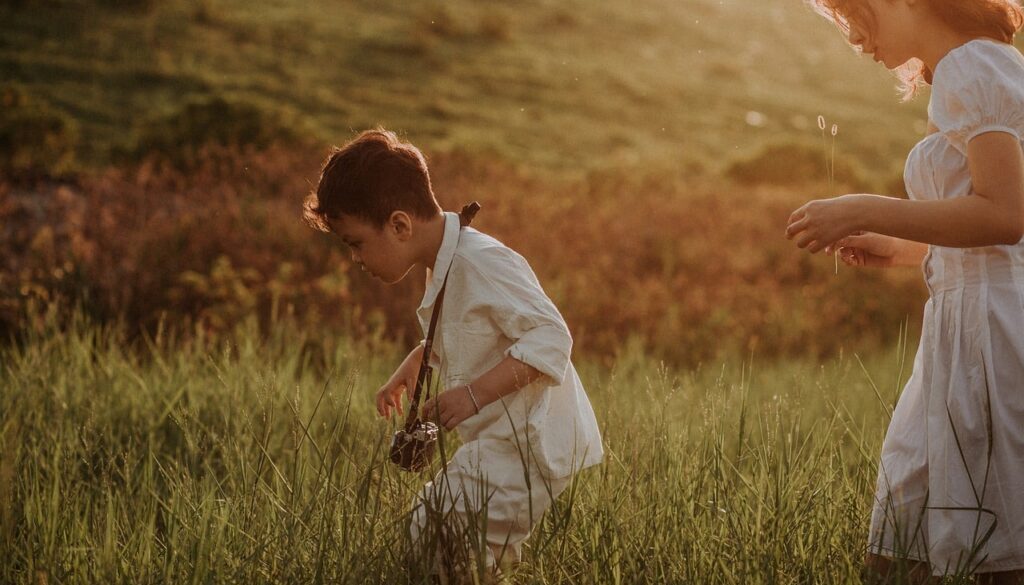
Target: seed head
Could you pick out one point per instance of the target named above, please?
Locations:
(821, 122)
(835, 129)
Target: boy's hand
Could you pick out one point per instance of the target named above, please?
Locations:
(404, 379)
(449, 408)
(390, 396)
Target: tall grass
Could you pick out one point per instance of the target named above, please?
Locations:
(236, 460)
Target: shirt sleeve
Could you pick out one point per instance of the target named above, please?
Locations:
(511, 296)
(981, 91)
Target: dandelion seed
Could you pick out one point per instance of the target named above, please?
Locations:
(824, 150)
(830, 166)
(832, 177)
(832, 161)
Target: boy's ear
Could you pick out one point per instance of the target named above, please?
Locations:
(400, 223)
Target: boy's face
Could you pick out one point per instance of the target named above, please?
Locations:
(383, 251)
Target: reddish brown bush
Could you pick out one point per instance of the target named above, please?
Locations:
(689, 267)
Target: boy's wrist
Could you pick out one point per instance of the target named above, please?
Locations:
(472, 397)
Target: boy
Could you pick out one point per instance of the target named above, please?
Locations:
(501, 346)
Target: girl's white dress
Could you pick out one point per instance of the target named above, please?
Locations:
(951, 481)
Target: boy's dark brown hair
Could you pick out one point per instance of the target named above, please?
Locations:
(370, 178)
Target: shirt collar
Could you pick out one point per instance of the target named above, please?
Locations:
(445, 255)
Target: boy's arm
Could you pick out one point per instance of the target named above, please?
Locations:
(389, 396)
(461, 402)
(501, 284)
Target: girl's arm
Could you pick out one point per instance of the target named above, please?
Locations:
(993, 214)
(456, 404)
(878, 251)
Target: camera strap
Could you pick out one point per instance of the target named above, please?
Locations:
(423, 379)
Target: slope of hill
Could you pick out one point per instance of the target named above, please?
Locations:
(565, 86)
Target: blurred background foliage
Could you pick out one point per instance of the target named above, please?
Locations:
(643, 156)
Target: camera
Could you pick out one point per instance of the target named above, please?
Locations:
(413, 448)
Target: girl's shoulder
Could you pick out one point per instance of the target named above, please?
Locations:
(984, 61)
(976, 86)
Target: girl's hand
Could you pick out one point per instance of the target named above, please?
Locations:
(878, 251)
(867, 249)
(451, 407)
(820, 224)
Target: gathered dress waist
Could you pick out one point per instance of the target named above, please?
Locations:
(949, 269)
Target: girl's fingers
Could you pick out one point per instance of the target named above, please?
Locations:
(854, 256)
(804, 239)
(796, 227)
(798, 214)
(855, 241)
(815, 247)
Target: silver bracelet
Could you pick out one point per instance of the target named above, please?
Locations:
(476, 405)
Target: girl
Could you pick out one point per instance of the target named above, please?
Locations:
(950, 492)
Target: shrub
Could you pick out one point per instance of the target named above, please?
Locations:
(793, 164)
(439, 20)
(495, 27)
(179, 135)
(133, 5)
(35, 139)
(688, 269)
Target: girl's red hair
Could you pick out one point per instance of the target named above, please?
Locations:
(995, 19)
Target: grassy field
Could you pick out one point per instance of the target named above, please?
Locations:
(566, 86)
(244, 461)
(190, 424)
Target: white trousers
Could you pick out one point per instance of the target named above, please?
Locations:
(483, 504)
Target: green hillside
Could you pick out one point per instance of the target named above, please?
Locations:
(565, 86)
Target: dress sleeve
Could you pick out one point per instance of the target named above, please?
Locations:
(514, 301)
(980, 90)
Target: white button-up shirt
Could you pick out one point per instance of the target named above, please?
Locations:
(494, 307)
